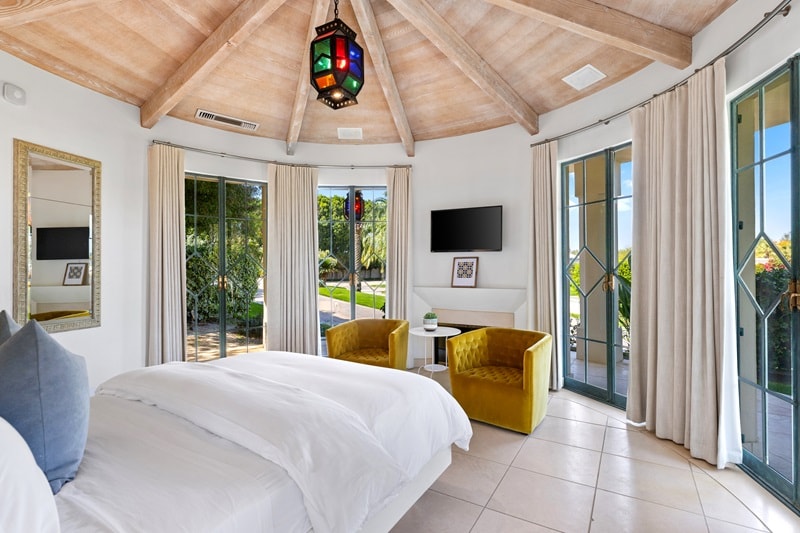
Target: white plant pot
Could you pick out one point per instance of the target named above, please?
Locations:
(430, 324)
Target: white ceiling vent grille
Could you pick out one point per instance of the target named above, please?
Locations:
(224, 119)
(583, 77)
(350, 133)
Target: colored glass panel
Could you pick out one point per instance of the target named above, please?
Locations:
(351, 84)
(323, 82)
(340, 48)
(355, 69)
(355, 52)
(322, 48)
(341, 63)
(322, 63)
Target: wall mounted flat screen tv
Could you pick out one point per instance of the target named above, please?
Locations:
(62, 243)
(469, 229)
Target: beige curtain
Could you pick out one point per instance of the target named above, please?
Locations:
(544, 280)
(683, 377)
(292, 256)
(167, 281)
(398, 230)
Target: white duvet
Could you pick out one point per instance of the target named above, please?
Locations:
(349, 436)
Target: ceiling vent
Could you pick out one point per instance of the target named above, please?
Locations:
(224, 119)
(350, 134)
(583, 77)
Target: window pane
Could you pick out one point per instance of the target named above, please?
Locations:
(623, 172)
(747, 131)
(777, 129)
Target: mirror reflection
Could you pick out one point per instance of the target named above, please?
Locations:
(57, 252)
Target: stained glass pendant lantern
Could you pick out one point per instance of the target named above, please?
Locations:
(358, 206)
(337, 63)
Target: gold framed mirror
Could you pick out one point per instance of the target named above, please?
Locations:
(56, 238)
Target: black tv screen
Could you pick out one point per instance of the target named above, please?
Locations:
(469, 229)
(62, 243)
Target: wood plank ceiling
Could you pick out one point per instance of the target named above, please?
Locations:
(434, 68)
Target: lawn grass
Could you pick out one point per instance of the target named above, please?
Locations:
(366, 299)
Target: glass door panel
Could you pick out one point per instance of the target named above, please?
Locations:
(224, 291)
(352, 254)
(767, 214)
(202, 268)
(597, 235)
(244, 267)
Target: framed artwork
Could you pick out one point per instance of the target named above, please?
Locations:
(465, 272)
(75, 273)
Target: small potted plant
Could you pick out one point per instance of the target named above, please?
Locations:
(430, 321)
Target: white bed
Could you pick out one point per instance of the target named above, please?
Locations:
(263, 442)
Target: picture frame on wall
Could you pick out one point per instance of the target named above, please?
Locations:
(75, 273)
(465, 272)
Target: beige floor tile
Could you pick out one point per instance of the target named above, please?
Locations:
(571, 432)
(718, 503)
(493, 443)
(621, 424)
(470, 478)
(543, 500)
(615, 513)
(494, 522)
(643, 446)
(559, 460)
(665, 485)
(435, 512)
(564, 408)
(775, 515)
(720, 526)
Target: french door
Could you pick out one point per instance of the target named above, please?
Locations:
(225, 266)
(597, 274)
(766, 231)
(352, 254)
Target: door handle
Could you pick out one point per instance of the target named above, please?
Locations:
(791, 296)
(222, 283)
(608, 283)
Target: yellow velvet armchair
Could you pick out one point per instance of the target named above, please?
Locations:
(373, 341)
(501, 376)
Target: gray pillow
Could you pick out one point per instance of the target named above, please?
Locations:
(7, 326)
(44, 394)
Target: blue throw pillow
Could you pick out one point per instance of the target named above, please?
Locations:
(44, 394)
(7, 326)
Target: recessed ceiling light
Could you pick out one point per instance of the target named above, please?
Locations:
(350, 133)
(583, 77)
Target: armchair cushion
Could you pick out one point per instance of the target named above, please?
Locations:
(372, 341)
(501, 375)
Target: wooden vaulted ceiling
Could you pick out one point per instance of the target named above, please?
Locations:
(434, 68)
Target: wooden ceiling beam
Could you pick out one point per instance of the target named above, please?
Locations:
(318, 14)
(608, 26)
(19, 13)
(248, 16)
(428, 22)
(383, 69)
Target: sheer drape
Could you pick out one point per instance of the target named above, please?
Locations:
(544, 275)
(292, 270)
(167, 273)
(398, 184)
(683, 381)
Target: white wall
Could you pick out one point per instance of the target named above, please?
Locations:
(485, 168)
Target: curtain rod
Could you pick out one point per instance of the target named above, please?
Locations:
(257, 160)
(782, 8)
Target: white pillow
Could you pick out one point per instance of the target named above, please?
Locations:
(27, 504)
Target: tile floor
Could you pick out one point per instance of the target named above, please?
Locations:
(584, 470)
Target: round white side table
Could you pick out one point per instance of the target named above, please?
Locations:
(441, 331)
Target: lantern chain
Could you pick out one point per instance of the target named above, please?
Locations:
(336, 9)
